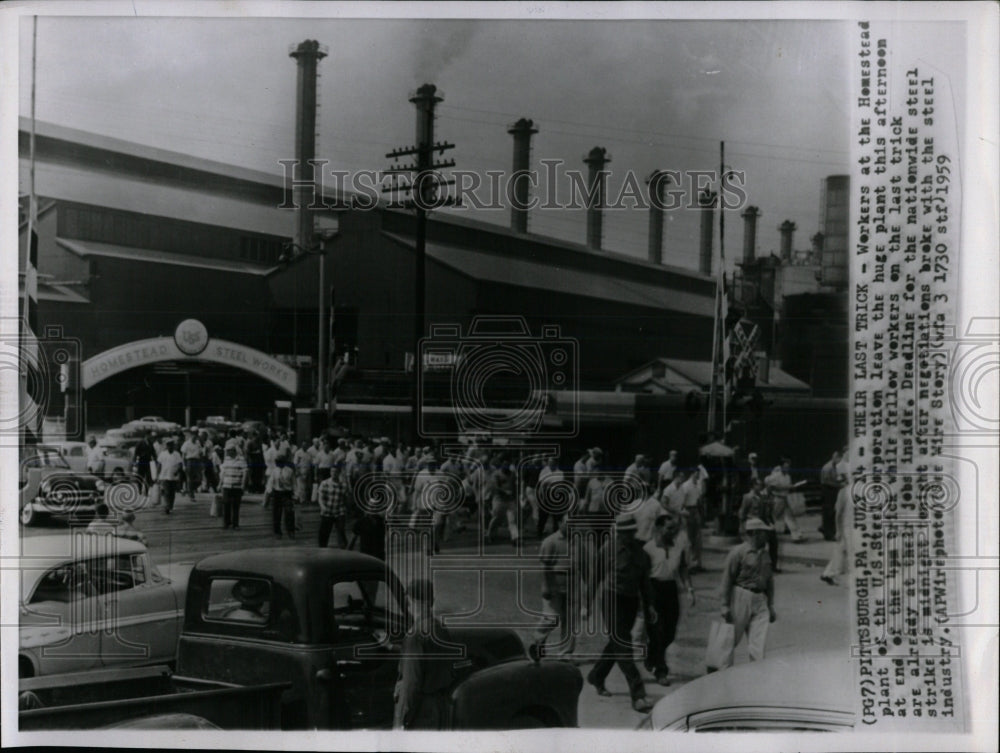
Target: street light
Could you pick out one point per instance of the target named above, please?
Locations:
(289, 251)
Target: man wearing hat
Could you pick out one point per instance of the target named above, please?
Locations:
(254, 603)
(748, 590)
(626, 582)
(426, 665)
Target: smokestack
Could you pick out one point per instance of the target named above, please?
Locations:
(596, 160)
(749, 234)
(787, 230)
(706, 200)
(657, 182)
(425, 99)
(307, 54)
(522, 131)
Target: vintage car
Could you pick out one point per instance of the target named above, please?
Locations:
(798, 692)
(92, 601)
(117, 456)
(151, 423)
(49, 486)
(331, 622)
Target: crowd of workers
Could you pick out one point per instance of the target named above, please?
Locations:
(639, 530)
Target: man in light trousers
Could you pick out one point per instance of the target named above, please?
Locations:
(748, 591)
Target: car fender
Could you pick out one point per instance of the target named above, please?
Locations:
(493, 698)
(31, 488)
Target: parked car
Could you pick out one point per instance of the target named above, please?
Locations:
(800, 692)
(117, 456)
(325, 626)
(74, 453)
(49, 486)
(152, 423)
(90, 601)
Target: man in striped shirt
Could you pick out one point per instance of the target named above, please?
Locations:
(333, 508)
(235, 475)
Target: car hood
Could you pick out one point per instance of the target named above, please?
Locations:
(86, 481)
(820, 680)
(488, 646)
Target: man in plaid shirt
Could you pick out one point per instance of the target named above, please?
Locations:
(333, 507)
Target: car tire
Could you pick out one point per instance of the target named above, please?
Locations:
(29, 516)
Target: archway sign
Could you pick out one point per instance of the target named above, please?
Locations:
(189, 343)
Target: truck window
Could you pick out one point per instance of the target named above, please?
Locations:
(242, 600)
(362, 609)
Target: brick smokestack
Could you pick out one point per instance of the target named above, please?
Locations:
(522, 131)
(750, 234)
(657, 182)
(596, 160)
(787, 229)
(706, 202)
(307, 55)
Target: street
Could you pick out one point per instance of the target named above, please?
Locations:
(506, 590)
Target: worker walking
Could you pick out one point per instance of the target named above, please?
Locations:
(748, 591)
(625, 583)
(426, 670)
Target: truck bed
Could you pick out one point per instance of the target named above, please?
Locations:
(90, 700)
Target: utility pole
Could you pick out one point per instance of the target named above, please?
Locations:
(423, 190)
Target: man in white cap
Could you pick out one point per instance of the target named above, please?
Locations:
(627, 588)
(748, 591)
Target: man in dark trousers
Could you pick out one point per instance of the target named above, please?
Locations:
(627, 568)
(426, 668)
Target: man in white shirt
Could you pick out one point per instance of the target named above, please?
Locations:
(668, 553)
(639, 471)
(191, 452)
(693, 489)
(780, 484)
(674, 493)
(168, 463)
(95, 457)
(666, 473)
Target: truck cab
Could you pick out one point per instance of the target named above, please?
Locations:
(331, 623)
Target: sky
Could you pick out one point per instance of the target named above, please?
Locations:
(655, 93)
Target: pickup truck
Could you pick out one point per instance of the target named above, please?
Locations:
(328, 624)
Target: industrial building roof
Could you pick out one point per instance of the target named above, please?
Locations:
(507, 270)
(672, 375)
(93, 248)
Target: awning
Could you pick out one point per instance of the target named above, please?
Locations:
(595, 406)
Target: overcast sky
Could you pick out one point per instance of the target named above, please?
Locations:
(656, 94)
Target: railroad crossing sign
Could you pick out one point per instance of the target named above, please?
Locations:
(742, 345)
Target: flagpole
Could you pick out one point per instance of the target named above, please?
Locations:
(722, 283)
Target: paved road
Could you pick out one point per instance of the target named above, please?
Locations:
(810, 613)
